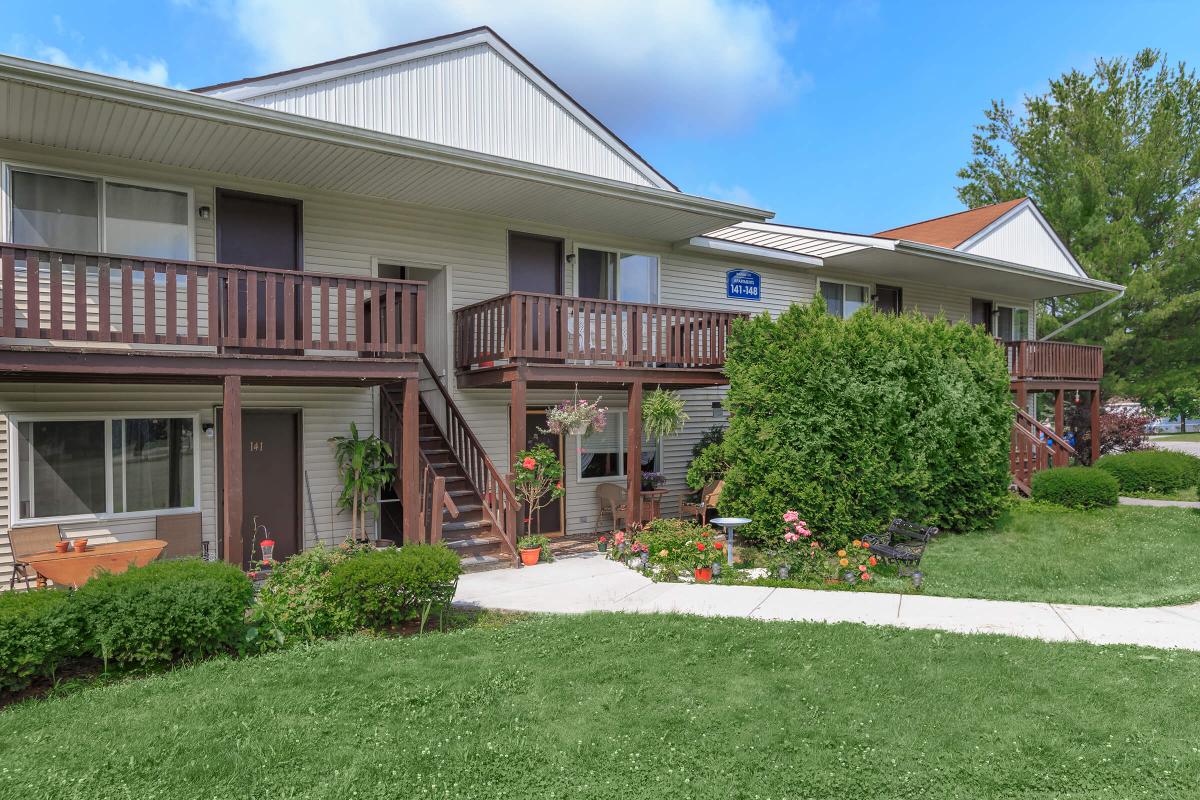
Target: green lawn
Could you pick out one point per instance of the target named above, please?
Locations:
(1190, 494)
(1177, 437)
(1123, 556)
(615, 706)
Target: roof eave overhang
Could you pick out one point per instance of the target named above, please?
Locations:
(156, 98)
(707, 245)
(1071, 284)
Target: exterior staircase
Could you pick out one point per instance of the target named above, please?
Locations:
(464, 501)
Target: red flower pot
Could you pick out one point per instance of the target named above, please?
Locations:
(80, 545)
(703, 574)
(530, 557)
(62, 547)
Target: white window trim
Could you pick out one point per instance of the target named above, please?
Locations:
(15, 463)
(996, 306)
(613, 414)
(619, 251)
(6, 205)
(870, 290)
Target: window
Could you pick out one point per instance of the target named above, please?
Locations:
(100, 467)
(602, 455)
(1012, 323)
(609, 275)
(843, 299)
(90, 214)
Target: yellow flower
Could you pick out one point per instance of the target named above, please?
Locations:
(844, 561)
(663, 553)
(841, 553)
(857, 543)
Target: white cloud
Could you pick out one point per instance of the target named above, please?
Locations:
(672, 66)
(734, 194)
(150, 70)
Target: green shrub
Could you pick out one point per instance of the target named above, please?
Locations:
(852, 423)
(709, 465)
(386, 587)
(1152, 471)
(1075, 487)
(37, 631)
(293, 604)
(164, 611)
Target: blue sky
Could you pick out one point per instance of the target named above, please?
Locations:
(849, 116)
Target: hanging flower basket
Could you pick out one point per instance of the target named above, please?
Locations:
(576, 417)
(663, 414)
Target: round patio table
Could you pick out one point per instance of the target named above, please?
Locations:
(75, 569)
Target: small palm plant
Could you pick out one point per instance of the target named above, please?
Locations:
(365, 465)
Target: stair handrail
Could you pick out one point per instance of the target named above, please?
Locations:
(1049, 433)
(499, 504)
(429, 484)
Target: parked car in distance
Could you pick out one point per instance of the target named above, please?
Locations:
(1171, 425)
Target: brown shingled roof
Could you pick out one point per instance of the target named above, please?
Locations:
(952, 230)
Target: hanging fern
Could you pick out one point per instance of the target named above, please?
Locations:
(662, 413)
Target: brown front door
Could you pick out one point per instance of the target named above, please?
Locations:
(534, 263)
(270, 481)
(549, 520)
(259, 231)
(888, 299)
(981, 314)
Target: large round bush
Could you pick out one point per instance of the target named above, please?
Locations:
(37, 630)
(1075, 487)
(164, 611)
(384, 588)
(1152, 471)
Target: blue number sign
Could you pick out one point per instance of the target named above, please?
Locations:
(742, 284)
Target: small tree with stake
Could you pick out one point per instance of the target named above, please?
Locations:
(365, 465)
(537, 478)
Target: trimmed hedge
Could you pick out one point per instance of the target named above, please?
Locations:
(384, 588)
(1152, 471)
(37, 631)
(855, 422)
(1075, 487)
(166, 610)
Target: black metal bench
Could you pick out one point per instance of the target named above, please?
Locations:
(902, 543)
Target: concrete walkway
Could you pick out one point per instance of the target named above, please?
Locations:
(592, 583)
(1146, 501)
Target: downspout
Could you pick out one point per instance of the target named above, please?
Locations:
(1103, 305)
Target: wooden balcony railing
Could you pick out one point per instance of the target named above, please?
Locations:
(1054, 361)
(92, 297)
(548, 328)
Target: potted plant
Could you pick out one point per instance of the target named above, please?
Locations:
(652, 481)
(537, 479)
(576, 417)
(533, 549)
(663, 414)
(365, 466)
(602, 544)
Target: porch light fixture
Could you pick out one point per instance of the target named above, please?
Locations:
(208, 430)
(204, 212)
(729, 524)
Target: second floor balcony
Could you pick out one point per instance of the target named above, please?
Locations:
(560, 339)
(93, 307)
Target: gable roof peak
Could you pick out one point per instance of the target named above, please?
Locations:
(951, 230)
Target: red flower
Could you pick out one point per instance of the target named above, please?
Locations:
(718, 545)
(866, 576)
(529, 463)
(862, 568)
(872, 561)
(604, 538)
(700, 546)
(558, 485)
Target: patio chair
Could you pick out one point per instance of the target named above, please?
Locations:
(182, 533)
(706, 499)
(902, 543)
(25, 542)
(612, 502)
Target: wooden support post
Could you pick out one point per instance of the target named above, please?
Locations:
(1060, 455)
(410, 469)
(516, 438)
(1095, 432)
(1022, 395)
(231, 468)
(633, 450)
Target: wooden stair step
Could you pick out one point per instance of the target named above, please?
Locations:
(469, 525)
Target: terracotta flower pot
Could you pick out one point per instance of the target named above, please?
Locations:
(703, 574)
(80, 545)
(530, 556)
(62, 547)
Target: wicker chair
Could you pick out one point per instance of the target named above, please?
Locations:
(182, 534)
(612, 502)
(710, 495)
(27, 541)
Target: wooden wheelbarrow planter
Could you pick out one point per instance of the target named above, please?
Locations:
(902, 543)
